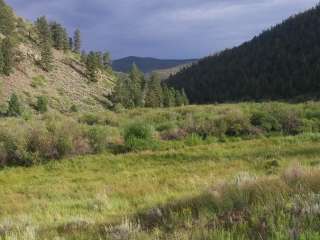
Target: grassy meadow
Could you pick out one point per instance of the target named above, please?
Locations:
(231, 171)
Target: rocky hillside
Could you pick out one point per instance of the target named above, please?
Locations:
(65, 86)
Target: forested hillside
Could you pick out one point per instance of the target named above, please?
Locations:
(40, 62)
(281, 63)
(147, 65)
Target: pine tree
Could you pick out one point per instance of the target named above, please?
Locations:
(154, 94)
(121, 93)
(136, 86)
(65, 40)
(71, 43)
(14, 109)
(106, 60)
(179, 98)
(45, 43)
(83, 57)
(91, 65)
(56, 31)
(169, 98)
(7, 56)
(77, 41)
(7, 20)
(1, 62)
(184, 97)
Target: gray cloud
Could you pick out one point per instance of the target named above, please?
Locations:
(163, 28)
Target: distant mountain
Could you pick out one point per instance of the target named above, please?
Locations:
(147, 65)
(166, 73)
(281, 63)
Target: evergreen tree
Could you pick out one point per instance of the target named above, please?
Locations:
(65, 40)
(14, 109)
(7, 20)
(91, 65)
(180, 100)
(7, 56)
(106, 60)
(121, 93)
(1, 62)
(184, 97)
(169, 97)
(136, 86)
(71, 43)
(77, 41)
(57, 36)
(154, 94)
(45, 43)
(83, 57)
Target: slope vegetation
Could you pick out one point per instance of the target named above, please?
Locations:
(281, 63)
(65, 86)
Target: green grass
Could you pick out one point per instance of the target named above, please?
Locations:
(105, 189)
(217, 166)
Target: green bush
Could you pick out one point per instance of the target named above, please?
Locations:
(42, 104)
(97, 136)
(139, 136)
(237, 123)
(14, 108)
(38, 81)
(193, 140)
(265, 121)
(291, 122)
(89, 118)
(74, 108)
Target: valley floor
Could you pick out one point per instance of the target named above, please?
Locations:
(127, 196)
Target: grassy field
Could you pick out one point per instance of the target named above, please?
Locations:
(233, 187)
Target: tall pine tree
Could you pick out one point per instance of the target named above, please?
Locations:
(136, 86)
(45, 43)
(91, 65)
(7, 56)
(154, 94)
(7, 20)
(77, 41)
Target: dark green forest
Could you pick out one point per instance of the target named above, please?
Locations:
(281, 63)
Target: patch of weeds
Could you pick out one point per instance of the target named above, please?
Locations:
(38, 81)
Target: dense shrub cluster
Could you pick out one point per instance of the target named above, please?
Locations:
(138, 136)
(51, 137)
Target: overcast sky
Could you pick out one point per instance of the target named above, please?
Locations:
(163, 28)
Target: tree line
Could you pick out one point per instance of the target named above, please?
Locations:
(54, 35)
(282, 63)
(49, 35)
(7, 38)
(135, 90)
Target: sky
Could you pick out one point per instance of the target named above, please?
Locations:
(172, 29)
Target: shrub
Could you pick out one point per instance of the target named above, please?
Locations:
(193, 140)
(14, 108)
(237, 123)
(97, 136)
(74, 108)
(89, 118)
(265, 121)
(38, 81)
(42, 104)
(139, 136)
(291, 122)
